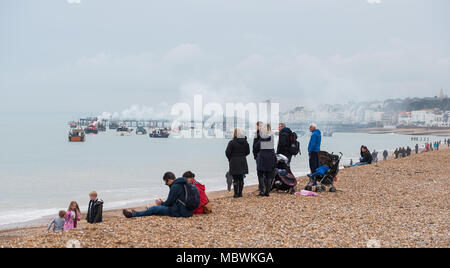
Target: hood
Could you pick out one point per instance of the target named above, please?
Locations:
(199, 185)
(180, 181)
(317, 132)
(286, 130)
(241, 140)
(98, 202)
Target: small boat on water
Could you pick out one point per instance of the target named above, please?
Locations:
(77, 135)
(91, 129)
(101, 126)
(73, 124)
(124, 131)
(113, 125)
(141, 131)
(159, 133)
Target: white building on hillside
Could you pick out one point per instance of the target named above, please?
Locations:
(404, 119)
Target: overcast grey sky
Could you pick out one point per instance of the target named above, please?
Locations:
(106, 55)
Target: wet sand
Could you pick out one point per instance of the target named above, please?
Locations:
(395, 203)
(442, 132)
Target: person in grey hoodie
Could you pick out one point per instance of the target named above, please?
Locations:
(58, 222)
(266, 160)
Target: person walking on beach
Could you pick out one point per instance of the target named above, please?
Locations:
(448, 142)
(314, 147)
(375, 156)
(417, 148)
(408, 151)
(266, 160)
(396, 153)
(182, 200)
(95, 209)
(72, 217)
(385, 155)
(237, 151)
(284, 141)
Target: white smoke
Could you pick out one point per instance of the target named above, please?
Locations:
(139, 112)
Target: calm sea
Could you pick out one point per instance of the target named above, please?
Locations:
(41, 172)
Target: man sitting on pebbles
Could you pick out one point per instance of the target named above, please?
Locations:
(176, 204)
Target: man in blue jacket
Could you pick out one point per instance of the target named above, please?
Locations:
(314, 147)
(171, 207)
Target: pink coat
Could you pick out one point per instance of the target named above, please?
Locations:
(70, 222)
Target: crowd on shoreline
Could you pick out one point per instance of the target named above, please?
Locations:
(187, 196)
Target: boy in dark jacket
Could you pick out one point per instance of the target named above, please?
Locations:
(171, 207)
(95, 209)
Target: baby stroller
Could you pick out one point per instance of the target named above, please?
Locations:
(284, 179)
(321, 182)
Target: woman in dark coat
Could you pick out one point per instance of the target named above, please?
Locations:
(266, 160)
(366, 156)
(237, 151)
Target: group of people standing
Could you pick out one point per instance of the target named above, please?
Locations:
(402, 152)
(265, 155)
(435, 145)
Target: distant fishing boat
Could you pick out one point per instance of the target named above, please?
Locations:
(141, 131)
(73, 124)
(113, 125)
(91, 129)
(159, 133)
(124, 131)
(101, 126)
(77, 135)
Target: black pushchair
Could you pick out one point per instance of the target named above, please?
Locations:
(321, 182)
(284, 179)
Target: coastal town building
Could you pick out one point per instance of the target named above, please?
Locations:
(404, 119)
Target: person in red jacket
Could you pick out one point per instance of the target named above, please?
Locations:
(201, 189)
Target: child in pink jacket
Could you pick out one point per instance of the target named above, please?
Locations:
(73, 216)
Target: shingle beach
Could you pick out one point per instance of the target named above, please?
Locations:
(396, 203)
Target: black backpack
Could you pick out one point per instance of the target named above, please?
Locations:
(294, 148)
(192, 197)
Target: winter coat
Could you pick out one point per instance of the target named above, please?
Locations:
(284, 142)
(177, 192)
(366, 157)
(266, 160)
(236, 152)
(95, 211)
(256, 144)
(71, 223)
(203, 198)
(315, 141)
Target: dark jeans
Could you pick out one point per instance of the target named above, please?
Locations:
(156, 210)
(265, 179)
(313, 161)
(238, 185)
